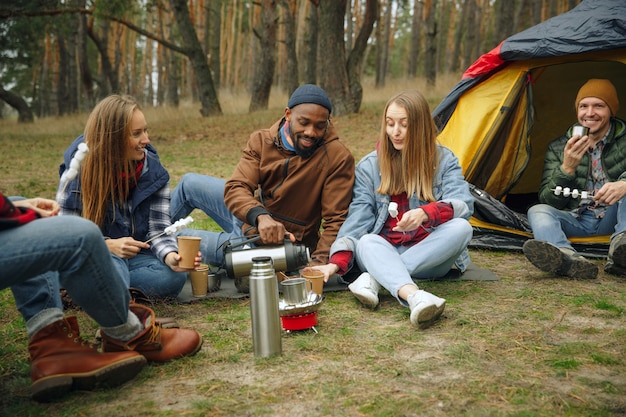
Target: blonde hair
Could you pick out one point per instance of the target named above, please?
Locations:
(413, 168)
(107, 133)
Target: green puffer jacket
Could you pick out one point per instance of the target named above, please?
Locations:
(613, 161)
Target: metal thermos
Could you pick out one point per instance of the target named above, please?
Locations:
(266, 327)
(287, 257)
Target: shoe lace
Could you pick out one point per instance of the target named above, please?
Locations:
(153, 336)
(76, 338)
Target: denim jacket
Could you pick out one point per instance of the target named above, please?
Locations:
(368, 209)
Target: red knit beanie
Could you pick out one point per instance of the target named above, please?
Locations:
(602, 89)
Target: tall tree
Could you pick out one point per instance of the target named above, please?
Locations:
(382, 42)
(215, 23)
(430, 57)
(83, 60)
(289, 8)
(505, 20)
(471, 35)
(416, 38)
(460, 28)
(311, 42)
(206, 90)
(265, 56)
(341, 78)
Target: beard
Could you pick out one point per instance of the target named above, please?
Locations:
(306, 152)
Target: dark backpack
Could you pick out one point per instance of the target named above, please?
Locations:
(491, 210)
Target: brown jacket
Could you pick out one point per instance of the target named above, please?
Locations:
(300, 193)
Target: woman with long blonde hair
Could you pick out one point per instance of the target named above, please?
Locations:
(409, 213)
(112, 176)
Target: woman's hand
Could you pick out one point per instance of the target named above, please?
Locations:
(327, 269)
(172, 260)
(411, 220)
(43, 206)
(125, 247)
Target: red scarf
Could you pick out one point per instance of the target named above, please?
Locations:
(132, 180)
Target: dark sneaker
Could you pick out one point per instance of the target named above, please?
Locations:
(616, 265)
(544, 255)
(611, 268)
(550, 258)
(579, 267)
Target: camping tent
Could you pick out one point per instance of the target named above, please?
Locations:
(515, 99)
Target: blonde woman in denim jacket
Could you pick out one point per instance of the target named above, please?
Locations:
(426, 235)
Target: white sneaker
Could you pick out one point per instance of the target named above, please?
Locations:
(365, 288)
(426, 308)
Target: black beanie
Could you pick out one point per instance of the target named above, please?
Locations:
(310, 93)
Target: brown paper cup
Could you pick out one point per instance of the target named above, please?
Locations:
(317, 279)
(199, 280)
(188, 247)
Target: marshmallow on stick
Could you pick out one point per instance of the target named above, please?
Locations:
(574, 193)
(72, 170)
(393, 209)
(173, 228)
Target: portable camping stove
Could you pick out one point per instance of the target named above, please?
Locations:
(300, 316)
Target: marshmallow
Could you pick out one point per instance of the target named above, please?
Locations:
(178, 224)
(393, 209)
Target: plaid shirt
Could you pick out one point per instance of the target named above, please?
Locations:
(437, 212)
(158, 219)
(595, 181)
(11, 216)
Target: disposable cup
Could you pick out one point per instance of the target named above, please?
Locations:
(188, 247)
(199, 280)
(317, 280)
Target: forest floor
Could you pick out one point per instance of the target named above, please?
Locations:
(528, 344)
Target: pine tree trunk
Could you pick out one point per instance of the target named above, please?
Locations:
(206, 90)
(265, 60)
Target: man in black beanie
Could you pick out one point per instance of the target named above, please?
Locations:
(291, 179)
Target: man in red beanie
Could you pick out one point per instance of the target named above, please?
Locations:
(591, 161)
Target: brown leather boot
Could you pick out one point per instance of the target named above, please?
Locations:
(61, 361)
(154, 342)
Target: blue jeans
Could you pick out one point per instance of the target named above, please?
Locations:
(206, 193)
(396, 266)
(555, 226)
(68, 251)
(148, 274)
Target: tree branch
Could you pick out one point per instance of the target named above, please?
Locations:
(6, 13)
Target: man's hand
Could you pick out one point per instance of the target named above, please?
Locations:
(271, 231)
(125, 247)
(573, 152)
(43, 206)
(610, 193)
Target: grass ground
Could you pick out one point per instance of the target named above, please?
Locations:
(529, 344)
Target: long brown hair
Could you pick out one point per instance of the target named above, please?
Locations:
(107, 133)
(413, 168)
